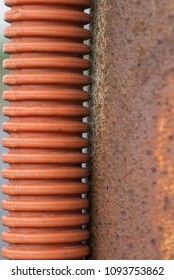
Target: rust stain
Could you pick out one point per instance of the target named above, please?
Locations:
(165, 163)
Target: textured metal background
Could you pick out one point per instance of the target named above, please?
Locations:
(132, 207)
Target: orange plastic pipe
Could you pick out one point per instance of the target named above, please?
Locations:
(47, 217)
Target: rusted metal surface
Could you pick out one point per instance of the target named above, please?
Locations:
(133, 133)
(46, 174)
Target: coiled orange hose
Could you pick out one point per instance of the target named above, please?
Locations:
(46, 217)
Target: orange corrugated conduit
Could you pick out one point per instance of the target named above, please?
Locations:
(47, 217)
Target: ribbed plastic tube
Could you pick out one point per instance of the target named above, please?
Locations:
(46, 175)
